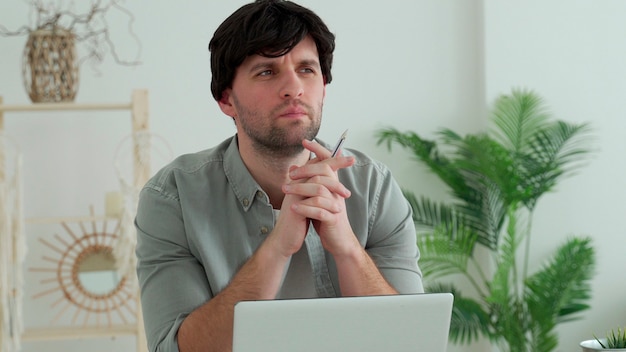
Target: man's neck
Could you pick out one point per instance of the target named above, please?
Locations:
(271, 172)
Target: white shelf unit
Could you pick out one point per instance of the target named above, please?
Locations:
(139, 113)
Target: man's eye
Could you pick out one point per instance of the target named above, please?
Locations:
(265, 73)
(307, 70)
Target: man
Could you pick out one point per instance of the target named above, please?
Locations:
(268, 213)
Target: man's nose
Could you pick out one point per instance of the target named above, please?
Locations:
(292, 86)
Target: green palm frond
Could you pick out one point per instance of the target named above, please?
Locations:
(560, 144)
(560, 290)
(516, 117)
(482, 155)
(440, 256)
(562, 287)
(428, 214)
(481, 204)
(488, 212)
(451, 221)
(556, 152)
(469, 319)
(540, 151)
(427, 152)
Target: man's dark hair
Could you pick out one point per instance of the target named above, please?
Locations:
(269, 28)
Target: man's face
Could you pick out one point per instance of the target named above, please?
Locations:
(277, 102)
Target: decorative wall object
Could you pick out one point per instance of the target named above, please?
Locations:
(141, 149)
(81, 279)
(12, 245)
(50, 64)
(50, 67)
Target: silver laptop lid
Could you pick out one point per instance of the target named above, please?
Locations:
(397, 323)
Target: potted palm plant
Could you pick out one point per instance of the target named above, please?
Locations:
(496, 179)
(614, 341)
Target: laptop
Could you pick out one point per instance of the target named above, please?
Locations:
(397, 323)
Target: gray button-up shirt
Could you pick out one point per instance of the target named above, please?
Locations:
(202, 216)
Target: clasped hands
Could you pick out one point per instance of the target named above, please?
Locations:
(315, 194)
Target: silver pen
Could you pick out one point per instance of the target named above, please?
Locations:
(339, 143)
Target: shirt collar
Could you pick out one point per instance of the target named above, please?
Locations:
(241, 181)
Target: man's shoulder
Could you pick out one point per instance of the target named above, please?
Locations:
(186, 165)
(191, 162)
(365, 162)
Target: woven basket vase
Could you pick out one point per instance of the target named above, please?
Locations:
(49, 67)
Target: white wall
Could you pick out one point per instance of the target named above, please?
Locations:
(414, 65)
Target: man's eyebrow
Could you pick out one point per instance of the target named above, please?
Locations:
(310, 62)
(261, 65)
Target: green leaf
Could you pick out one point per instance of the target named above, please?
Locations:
(469, 320)
(517, 116)
(562, 287)
(440, 256)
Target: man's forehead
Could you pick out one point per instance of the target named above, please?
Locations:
(304, 51)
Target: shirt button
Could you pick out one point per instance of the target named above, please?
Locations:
(264, 230)
(246, 202)
(259, 194)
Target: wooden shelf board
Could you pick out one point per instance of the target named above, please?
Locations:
(68, 333)
(64, 107)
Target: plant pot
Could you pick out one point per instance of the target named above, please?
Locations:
(49, 67)
(593, 346)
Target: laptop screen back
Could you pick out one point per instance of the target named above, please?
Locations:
(397, 323)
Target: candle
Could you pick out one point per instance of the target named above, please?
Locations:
(113, 204)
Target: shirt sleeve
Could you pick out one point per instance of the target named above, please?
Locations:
(392, 243)
(172, 281)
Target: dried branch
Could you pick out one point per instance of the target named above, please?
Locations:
(90, 28)
(24, 30)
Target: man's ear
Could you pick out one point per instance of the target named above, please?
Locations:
(226, 103)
